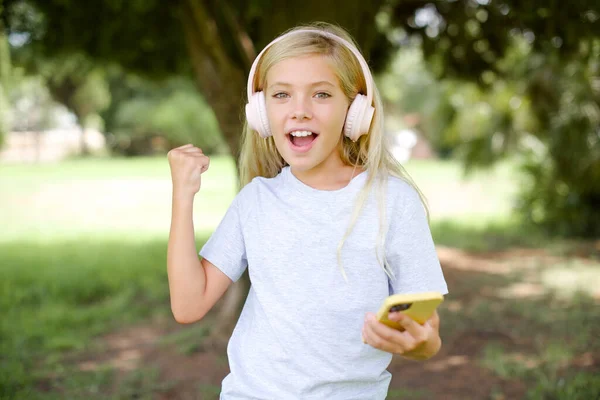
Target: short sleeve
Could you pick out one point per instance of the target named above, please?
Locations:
(410, 250)
(226, 248)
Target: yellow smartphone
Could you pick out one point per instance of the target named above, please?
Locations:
(418, 306)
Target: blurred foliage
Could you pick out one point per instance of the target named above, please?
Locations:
(214, 41)
(73, 80)
(541, 108)
(537, 70)
(141, 116)
(31, 107)
(467, 38)
(156, 116)
(133, 32)
(550, 117)
(64, 26)
(563, 165)
(4, 115)
(462, 119)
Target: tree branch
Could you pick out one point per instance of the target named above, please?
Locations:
(209, 34)
(242, 40)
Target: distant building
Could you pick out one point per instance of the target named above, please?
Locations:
(403, 142)
(409, 143)
(49, 146)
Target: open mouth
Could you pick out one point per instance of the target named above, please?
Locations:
(301, 140)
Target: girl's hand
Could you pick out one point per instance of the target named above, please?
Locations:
(418, 342)
(187, 163)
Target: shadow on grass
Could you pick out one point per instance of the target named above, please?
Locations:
(472, 236)
(507, 234)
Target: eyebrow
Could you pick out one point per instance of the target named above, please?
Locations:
(311, 85)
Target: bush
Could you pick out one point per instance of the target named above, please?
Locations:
(148, 117)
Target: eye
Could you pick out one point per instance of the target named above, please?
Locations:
(322, 95)
(280, 95)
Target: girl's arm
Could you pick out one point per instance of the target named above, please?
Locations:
(194, 285)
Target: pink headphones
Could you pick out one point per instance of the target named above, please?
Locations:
(360, 113)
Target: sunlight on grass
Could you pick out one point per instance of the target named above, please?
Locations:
(132, 198)
(477, 199)
(104, 197)
(572, 277)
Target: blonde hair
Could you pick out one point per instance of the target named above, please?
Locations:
(260, 157)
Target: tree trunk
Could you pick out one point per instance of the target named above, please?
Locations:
(5, 72)
(220, 80)
(222, 84)
(84, 151)
(5, 65)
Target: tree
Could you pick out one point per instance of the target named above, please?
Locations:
(74, 81)
(172, 111)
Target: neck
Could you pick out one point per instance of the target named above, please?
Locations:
(328, 176)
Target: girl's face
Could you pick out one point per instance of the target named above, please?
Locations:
(306, 108)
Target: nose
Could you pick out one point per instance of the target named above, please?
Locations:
(301, 109)
(300, 115)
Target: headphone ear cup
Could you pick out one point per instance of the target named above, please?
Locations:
(367, 119)
(351, 118)
(358, 118)
(256, 114)
(264, 118)
(252, 114)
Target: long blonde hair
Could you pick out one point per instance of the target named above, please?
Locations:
(260, 157)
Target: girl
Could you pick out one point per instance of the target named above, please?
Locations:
(327, 224)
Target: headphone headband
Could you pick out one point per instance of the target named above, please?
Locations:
(350, 46)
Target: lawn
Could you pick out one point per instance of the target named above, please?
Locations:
(82, 261)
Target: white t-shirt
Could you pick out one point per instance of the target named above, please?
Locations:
(299, 333)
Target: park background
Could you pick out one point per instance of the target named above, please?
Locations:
(503, 96)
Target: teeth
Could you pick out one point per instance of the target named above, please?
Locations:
(301, 133)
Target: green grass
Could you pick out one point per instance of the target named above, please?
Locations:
(57, 296)
(83, 248)
(100, 197)
(209, 392)
(132, 197)
(187, 340)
